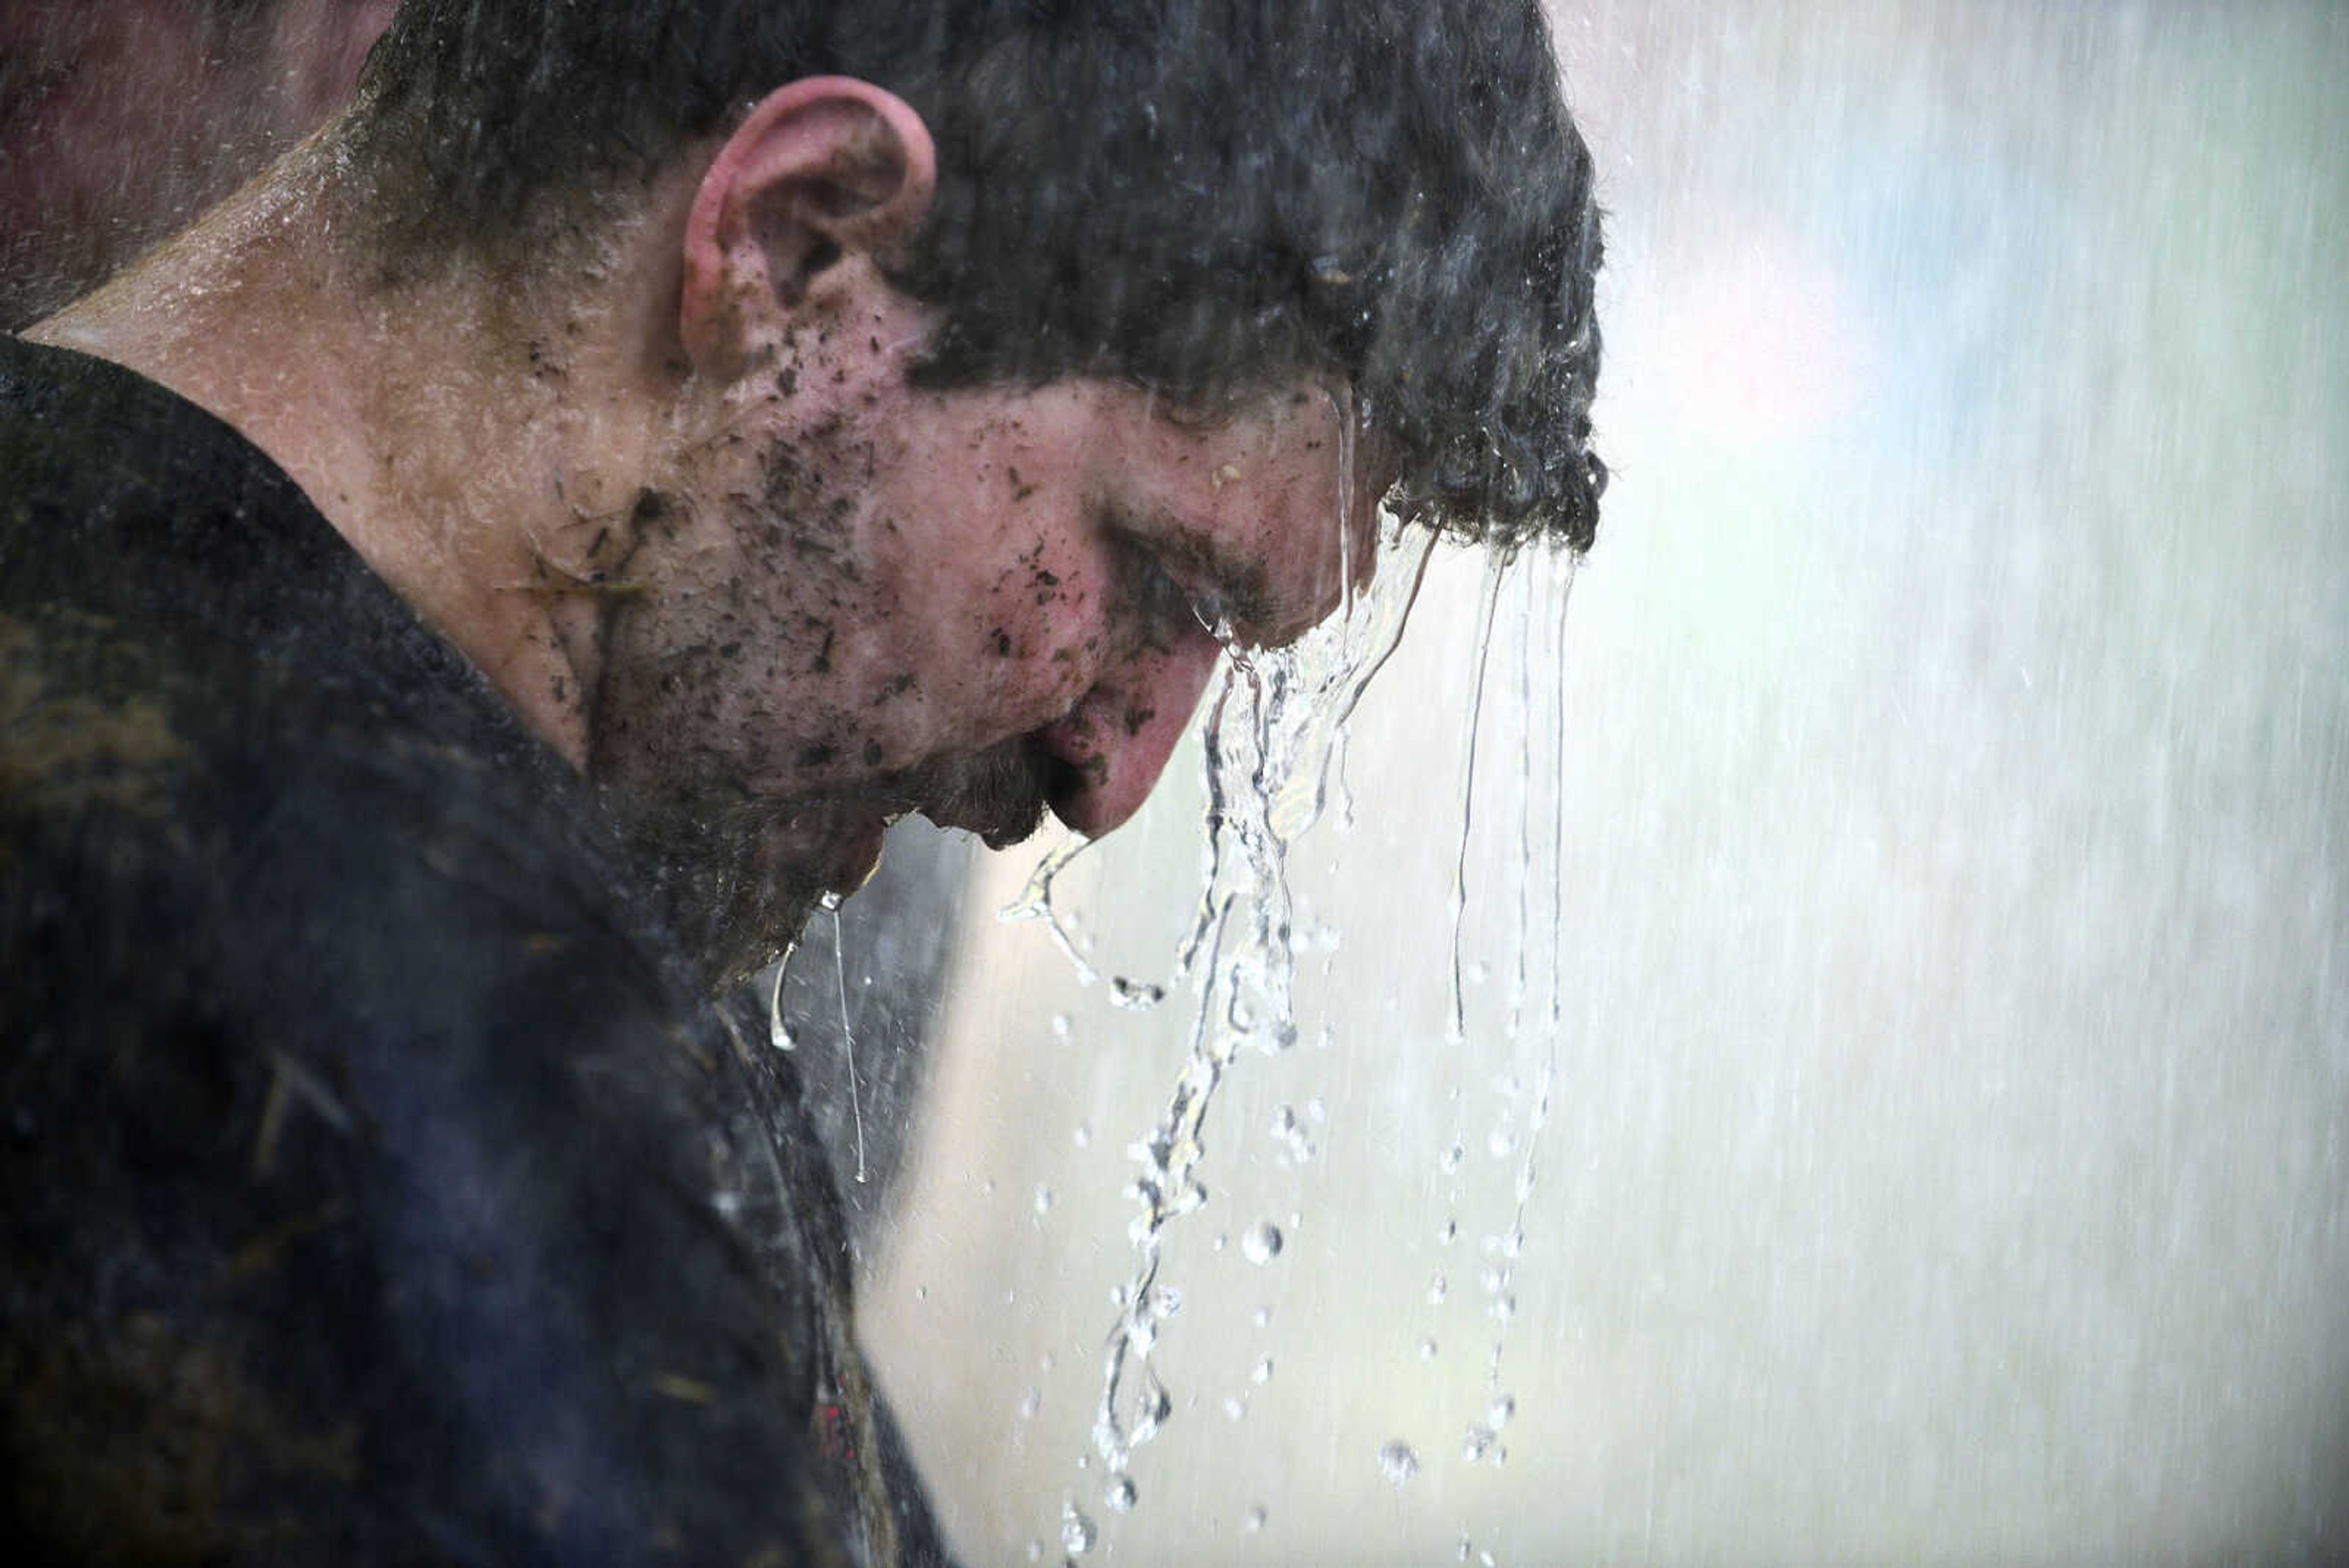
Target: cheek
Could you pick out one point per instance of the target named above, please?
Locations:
(1035, 638)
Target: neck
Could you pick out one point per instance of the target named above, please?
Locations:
(482, 448)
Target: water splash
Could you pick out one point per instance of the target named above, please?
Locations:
(1269, 734)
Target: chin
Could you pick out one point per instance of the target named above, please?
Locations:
(733, 890)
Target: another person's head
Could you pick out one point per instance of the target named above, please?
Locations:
(121, 121)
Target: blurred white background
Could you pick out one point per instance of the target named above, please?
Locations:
(1944, 1158)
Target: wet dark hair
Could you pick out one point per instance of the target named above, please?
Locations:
(1205, 196)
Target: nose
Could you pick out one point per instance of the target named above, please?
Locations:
(1115, 743)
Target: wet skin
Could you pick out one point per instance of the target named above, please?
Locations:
(868, 598)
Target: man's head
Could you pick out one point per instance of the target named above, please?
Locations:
(1002, 352)
(1043, 325)
(122, 119)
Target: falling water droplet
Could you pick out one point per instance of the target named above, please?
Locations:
(1497, 1413)
(1450, 1163)
(1437, 1289)
(1118, 1495)
(1262, 1371)
(1255, 1520)
(1427, 1350)
(1261, 1244)
(1030, 1401)
(1135, 995)
(1397, 1462)
(1043, 1199)
(1076, 1529)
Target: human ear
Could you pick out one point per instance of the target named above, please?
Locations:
(822, 168)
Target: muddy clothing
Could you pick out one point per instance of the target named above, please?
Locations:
(373, 1188)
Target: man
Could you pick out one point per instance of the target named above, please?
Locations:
(122, 120)
(487, 581)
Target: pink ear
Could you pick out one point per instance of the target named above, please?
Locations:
(815, 131)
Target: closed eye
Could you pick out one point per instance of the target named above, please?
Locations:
(1181, 574)
(1210, 610)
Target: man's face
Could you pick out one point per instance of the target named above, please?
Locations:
(867, 599)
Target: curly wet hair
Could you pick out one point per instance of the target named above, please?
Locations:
(1203, 196)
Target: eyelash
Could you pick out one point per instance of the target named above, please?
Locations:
(1160, 594)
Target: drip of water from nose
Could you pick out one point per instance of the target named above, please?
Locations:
(1035, 903)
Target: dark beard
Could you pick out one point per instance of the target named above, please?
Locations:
(999, 794)
(716, 875)
(728, 879)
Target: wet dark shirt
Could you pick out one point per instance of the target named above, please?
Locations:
(373, 1187)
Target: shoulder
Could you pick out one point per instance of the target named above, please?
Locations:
(343, 1078)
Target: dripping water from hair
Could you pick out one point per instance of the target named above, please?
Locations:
(1496, 571)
